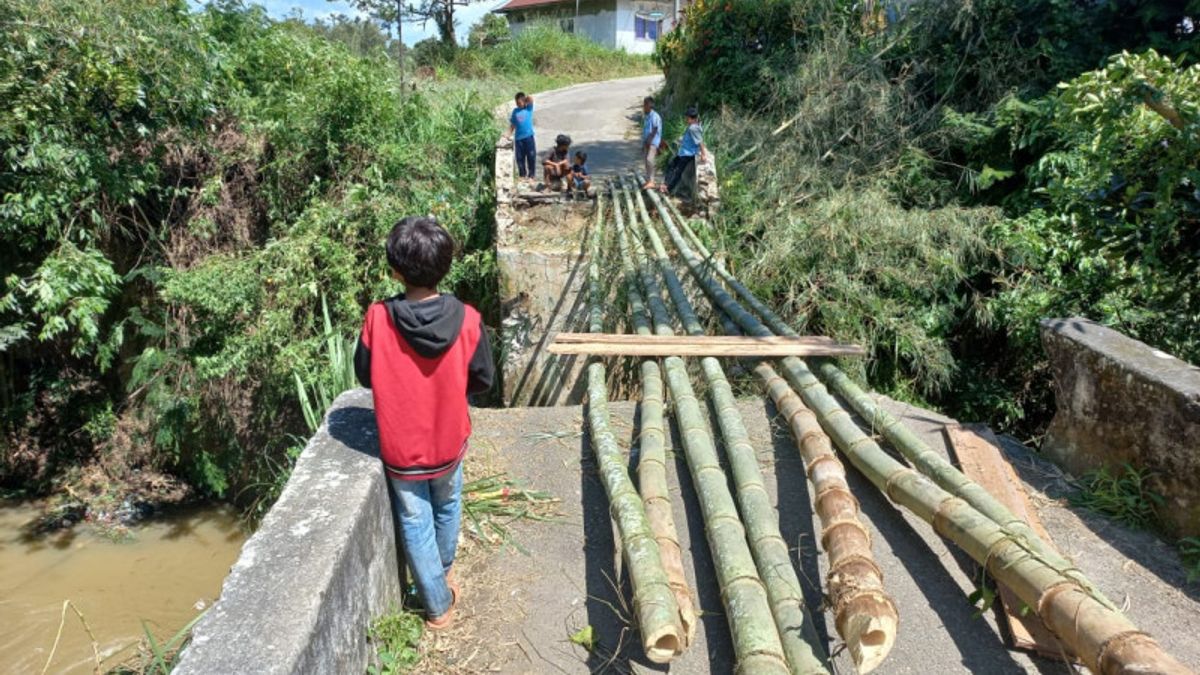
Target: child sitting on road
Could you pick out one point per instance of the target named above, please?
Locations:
(421, 353)
(580, 179)
(557, 165)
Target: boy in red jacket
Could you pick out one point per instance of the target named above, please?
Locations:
(421, 354)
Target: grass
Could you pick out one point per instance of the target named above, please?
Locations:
(1123, 495)
(396, 637)
(1189, 553)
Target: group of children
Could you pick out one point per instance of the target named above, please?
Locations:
(422, 353)
(561, 172)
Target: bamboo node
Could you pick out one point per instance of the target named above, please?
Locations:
(852, 522)
(853, 559)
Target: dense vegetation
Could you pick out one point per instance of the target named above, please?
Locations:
(184, 191)
(932, 178)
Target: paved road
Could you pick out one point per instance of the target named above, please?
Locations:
(602, 118)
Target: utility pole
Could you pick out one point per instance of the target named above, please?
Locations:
(400, 41)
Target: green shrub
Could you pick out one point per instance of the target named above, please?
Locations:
(181, 191)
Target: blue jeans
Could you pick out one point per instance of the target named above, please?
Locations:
(526, 150)
(429, 512)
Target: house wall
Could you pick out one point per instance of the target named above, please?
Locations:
(627, 11)
(597, 19)
(611, 23)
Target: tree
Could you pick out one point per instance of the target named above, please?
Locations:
(388, 13)
(441, 13)
(490, 29)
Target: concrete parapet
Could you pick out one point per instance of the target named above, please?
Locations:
(1121, 401)
(322, 565)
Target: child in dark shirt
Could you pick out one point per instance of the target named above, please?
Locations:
(421, 354)
(580, 180)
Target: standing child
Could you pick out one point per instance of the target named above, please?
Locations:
(580, 179)
(651, 138)
(421, 353)
(691, 145)
(521, 127)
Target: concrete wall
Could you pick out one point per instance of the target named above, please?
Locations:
(1121, 401)
(322, 565)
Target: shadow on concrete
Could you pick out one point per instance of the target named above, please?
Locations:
(609, 613)
(605, 158)
(355, 428)
(556, 367)
(704, 584)
(549, 366)
(1144, 547)
(796, 521)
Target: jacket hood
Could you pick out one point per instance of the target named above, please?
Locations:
(430, 326)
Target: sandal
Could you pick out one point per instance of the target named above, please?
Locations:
(446, 620)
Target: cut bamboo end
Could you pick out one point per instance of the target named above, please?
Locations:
(868, 623)
(663, 645)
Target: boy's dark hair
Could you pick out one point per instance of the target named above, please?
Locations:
(562, 139)
(650, 100)
(420, 250)
(581, 156)
(692, 112)
(520, 96)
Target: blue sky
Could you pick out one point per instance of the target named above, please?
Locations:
(413, 33)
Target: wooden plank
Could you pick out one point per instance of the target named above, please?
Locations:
(622, 338)
(978, 453)
(735, 346)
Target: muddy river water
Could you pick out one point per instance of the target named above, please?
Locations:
(165, 575)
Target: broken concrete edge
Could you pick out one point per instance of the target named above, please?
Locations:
(1120, 401)
(320, 568)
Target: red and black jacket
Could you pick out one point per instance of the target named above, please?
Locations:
(420, 360)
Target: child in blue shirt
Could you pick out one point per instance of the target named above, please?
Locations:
(521, 127)
(580, 179)
(651, 138)
(691, 145)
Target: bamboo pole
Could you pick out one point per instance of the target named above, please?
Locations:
(653, 598)
(756, 643)
(1100, 634)
(770, 550)
(916, 451)
(864, 614)
(652, 468)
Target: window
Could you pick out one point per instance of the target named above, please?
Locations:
(647, 29)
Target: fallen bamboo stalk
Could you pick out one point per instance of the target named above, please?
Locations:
(1066, 602)
(756, 644)
(652, 466)
(770, 550)
(916, 451)
(864, 614)
(653, 598)
(728, 346)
